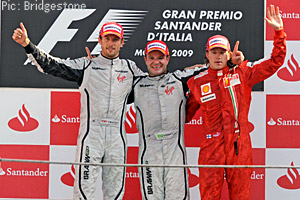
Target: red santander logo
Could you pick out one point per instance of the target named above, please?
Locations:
(130, 122)
(2, 172)
(193, 179)
(251, 127)
(23, 122)
(290, 72)
(69, 177)
(65, 118)
(291, 180)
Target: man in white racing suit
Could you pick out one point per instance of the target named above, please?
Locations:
(104, 83)
(160, 106)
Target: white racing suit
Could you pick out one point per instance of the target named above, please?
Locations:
(160, 112)
(104, 85)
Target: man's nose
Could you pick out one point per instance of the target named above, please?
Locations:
(156, 61)
(219, 55)
(110, 42)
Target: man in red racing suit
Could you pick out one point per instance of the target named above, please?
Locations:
(224, 95)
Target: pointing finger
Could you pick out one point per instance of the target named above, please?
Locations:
(236, 47)
(88, 52)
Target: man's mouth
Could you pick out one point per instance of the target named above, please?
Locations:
(156, 68)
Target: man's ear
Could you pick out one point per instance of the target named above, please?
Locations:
(168, 58)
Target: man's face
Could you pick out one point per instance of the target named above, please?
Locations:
(156, 63)
(218, 58)
(111, 45)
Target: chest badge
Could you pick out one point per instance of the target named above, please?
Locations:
(231, 80)
(205, 89)
(121, 78)
(169, 91)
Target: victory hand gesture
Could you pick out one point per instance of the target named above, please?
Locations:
(89, 55)
(273, 18)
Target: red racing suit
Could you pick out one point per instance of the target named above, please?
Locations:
(224, 98)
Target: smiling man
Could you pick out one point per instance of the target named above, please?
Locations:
(160, 100)
(156, 61)
(104, 83)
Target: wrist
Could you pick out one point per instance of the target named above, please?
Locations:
(278, 32)
(26, 42)
(230, 64)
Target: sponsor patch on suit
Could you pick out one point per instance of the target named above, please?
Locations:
(231, 81)
(208, 98)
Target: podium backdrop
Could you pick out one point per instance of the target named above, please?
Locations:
(40, 113)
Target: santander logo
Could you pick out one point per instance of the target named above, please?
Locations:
(291, 180)
(193, 179)
(23, 122)
(283, 122)
(2, 172)
(291, 72)
(65, 119)
(251, 127)
(196, 121)
(271, 122)
(130, 122)
(69, 177)
(55, 119)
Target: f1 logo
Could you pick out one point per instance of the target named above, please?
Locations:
(61, 25)
(67, 16)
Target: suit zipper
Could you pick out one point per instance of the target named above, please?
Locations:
(108, 109)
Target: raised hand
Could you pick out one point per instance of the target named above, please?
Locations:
(237, 56)
(20, 35)
(273, 18)
(89, 55)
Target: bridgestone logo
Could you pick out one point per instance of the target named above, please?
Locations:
(98, 68)
(156, 45)
(121, 71)
(112, 27)
(208, 98)
(144, 85)
(221, 41)
(172, 82)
